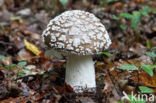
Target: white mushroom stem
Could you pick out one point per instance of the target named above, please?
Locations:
(80, 72)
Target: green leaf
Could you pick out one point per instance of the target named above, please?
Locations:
(105, 53)
(120, 102)
(7, 67)
(110, 1)
(123, 27)
(1, 65)
(148, 69)
(10, 66)
(151, 54)
(13, 65)
(144, 11)
(145, 14)
(126, 15)
(63, 2)
(128, 67)
(153, 66)
(22, 63)
(145, 89)
(25, 68)
(153, 10)
(148, 44)
(2, 57)
(17, 18)
(115, 17)
(20, 73)
(154, 48)
(41, 72)
(136, 19)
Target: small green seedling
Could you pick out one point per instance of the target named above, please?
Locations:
(2, 57)
(135, 17)
(105, 53)
(148, 44)
(145, 89)
(64, 2)
(105, 2)
(21, 73)
(148, 69)
(152, 54)
(19, 65)
(22, 63)
(128, 67)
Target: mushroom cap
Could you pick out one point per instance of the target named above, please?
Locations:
(76, 32)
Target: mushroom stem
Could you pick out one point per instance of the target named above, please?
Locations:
(80, 72)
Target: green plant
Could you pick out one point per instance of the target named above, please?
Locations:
(152, 54)
(145, 89)
(10, 66)
(123, 27)
(20, 65)
(128, 67)
(105, 53)
(2, 57)
(111, 1)
(135, 17)
(64, 2)
(104, 2)
(144, 11)
(21, 73)
(148, 44)
(146, 68)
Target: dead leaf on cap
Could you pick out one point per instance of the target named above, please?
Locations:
(31, 47)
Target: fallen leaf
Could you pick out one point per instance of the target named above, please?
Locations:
(31, 47)
(23, 55)
(145, 79)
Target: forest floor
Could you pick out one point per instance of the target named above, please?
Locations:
(127, 67)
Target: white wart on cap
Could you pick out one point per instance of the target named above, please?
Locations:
(76, 32)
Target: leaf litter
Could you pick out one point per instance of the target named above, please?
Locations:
(41, 79)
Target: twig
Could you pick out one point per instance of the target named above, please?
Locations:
(118, 92)
(57, 60)
(27, 76)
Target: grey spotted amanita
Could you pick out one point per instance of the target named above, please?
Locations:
(79, 35)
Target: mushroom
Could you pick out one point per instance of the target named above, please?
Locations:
(78, 35)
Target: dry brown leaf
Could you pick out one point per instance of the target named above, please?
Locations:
(21, 99)
(24, 55)
(145, 79)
